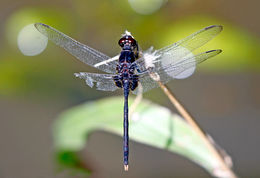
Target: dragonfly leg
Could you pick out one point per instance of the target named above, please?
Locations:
(118, 81)
(137, 51)
(134, 82)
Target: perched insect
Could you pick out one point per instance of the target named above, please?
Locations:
(132, 71)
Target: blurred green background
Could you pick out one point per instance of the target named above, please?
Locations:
(223, 95)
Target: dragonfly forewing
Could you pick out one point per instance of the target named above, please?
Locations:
(193, 41)
(180, 50)
(82, 52)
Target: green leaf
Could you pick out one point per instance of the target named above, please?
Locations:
(70, 159)
(150, 124)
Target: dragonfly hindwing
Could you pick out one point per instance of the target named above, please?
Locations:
(103, 82)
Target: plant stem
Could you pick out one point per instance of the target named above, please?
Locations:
(224, 170)
(136, 102)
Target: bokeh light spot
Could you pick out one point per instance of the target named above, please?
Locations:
(178, 57)
(146, 6)
(30, 41)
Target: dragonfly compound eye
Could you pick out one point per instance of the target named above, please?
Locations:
(127, 39)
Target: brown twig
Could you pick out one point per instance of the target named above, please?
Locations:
(136, 102)
(224, 168)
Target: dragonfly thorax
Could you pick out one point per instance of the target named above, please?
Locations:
(127, 56)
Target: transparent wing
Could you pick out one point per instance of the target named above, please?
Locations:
(102, 82)
(178, 51)
(168, 73)
(82, 52)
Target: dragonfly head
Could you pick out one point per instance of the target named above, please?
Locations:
(127, 42)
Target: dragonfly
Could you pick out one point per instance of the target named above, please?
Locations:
(133, 70)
